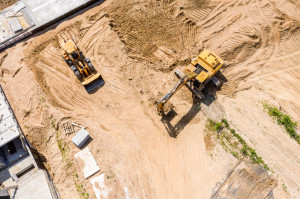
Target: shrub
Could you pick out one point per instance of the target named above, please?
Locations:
(218, 126)
(225, 122)
(283, 120)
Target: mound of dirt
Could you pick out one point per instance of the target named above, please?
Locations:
(154, 30)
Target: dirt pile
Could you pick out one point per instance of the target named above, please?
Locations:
(154, 30)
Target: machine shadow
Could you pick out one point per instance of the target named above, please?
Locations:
(181, 124)
(210, 91)
(209, 97)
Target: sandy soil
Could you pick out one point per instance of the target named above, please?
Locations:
(6, 3)
(137, 45)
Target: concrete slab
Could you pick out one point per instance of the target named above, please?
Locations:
(87, 163)
(8, 124)
(46, 11)
(5, 113)
(33, 185)
(21, 166)
(3, 103)
(101, 191)
(9, 134)
(18, 6)
(26, 17)
(12, 22)
(15, 24)
(81, 137)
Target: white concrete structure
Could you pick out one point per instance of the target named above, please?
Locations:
(18, 168)
(101, 191)
(44, 12)
(86, 162)
(29, 16)
(81, 137)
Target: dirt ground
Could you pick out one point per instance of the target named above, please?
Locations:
(6, 3)
(137, 45)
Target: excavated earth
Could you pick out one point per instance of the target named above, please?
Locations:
(137, 45)
(6, 3)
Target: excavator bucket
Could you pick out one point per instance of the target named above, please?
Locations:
(92, 82)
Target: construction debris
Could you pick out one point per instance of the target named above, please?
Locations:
(68, 127)
(74, 124)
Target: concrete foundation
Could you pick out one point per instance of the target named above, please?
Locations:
(20, 174)
(30, 16)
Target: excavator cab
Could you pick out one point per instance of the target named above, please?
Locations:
(81, 66)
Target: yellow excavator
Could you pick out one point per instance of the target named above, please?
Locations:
(198, 73)
(80, 65)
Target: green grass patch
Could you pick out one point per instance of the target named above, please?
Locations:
(62, 146)
(283, 120)
(284, 187)
(42, 100)
(82, 191)
(232, 142)
(69, 167)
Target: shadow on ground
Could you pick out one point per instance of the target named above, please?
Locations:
(209, 97)
(177, 128)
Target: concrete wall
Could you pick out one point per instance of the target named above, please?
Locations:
(45, 11)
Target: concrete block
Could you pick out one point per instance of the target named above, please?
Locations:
(81, 137)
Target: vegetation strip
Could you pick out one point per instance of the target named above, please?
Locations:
(231, 141)
(283, 120)
(69, 166)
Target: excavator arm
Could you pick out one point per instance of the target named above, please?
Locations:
(184, 80)
(160, 106)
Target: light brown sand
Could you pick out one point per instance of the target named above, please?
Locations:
(136, 45)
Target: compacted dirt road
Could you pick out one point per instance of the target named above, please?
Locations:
(136, 46)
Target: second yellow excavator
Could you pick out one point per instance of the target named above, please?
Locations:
(81, 65)
(198, 73)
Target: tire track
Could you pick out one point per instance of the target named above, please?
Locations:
(275, 33)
